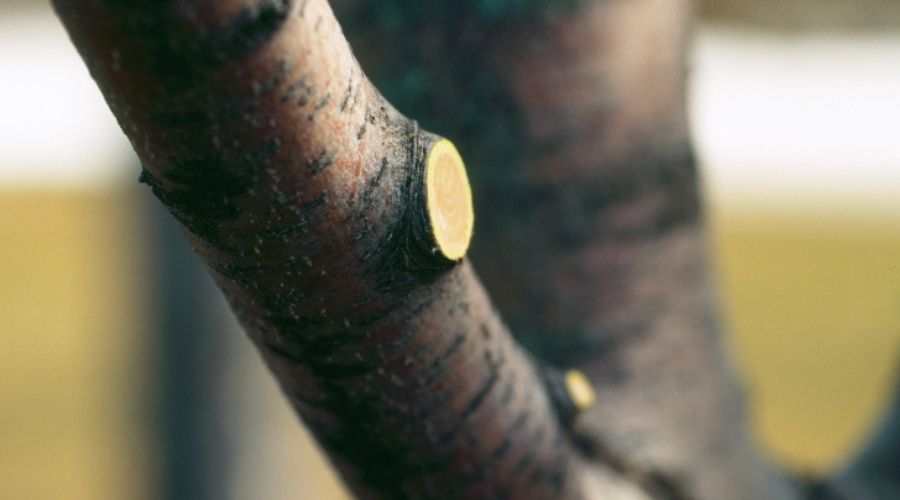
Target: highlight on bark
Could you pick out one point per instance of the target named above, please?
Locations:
(449, 200)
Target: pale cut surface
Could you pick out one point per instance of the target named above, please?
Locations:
(449, 196)
(580, 390)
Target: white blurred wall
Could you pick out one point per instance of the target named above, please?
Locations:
(782, 122)
(798, 123)
(55, 129)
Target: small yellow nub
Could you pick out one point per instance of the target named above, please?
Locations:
(581, 392)
(449, 200)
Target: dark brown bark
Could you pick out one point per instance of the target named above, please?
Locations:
(629, 275)
(600, 185)
(300, 188)
(593, 172)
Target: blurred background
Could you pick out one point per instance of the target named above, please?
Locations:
(123, 376)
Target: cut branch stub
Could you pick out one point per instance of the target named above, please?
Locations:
(449, 200)
(335, 228)
(580, 390)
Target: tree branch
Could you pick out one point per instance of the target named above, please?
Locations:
(576, 110)
(337, 229)
(334, 226)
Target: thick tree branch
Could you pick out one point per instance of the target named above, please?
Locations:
(581, 125)
(332, 224)
(336, 226)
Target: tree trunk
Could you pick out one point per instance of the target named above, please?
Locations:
(580, 107)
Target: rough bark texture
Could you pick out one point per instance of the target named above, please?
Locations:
(573, 115)
(300, 188)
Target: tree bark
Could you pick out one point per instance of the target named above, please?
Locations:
(318, 210)
(302, 190)
(573, 116)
